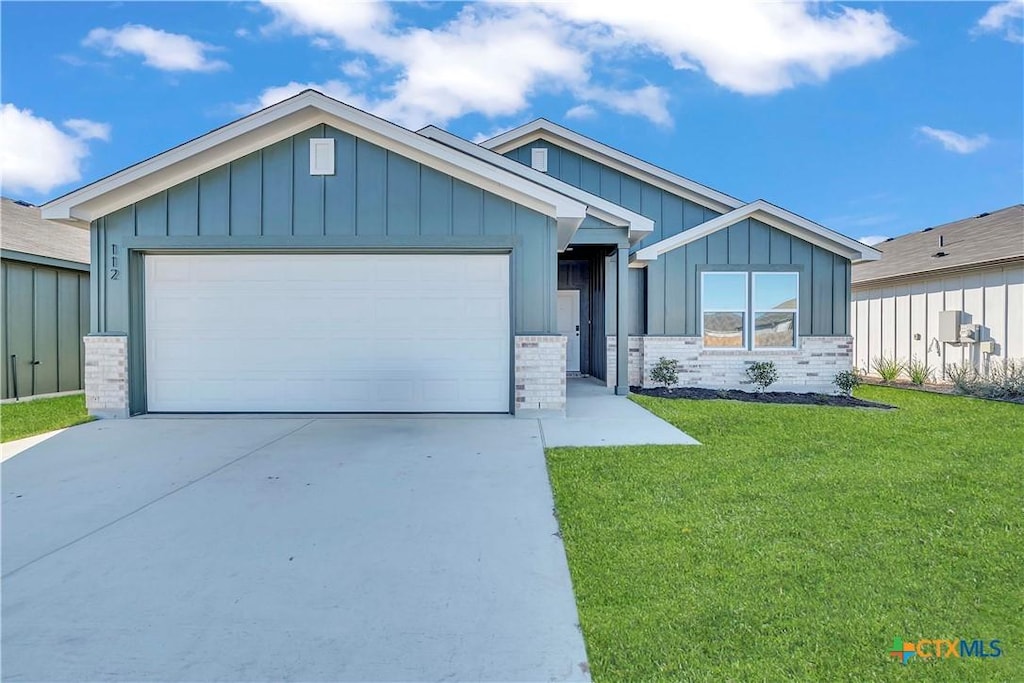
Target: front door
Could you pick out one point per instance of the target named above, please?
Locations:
(569, 325)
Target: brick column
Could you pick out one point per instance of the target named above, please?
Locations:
(540, 375)
(636, 361)
(106, 375)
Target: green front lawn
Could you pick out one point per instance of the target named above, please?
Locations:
(28, 418)
(799, 541)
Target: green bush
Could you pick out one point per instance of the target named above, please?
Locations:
(762, 374)
(964, 377)
(889, 369)
(919, 371)
(846, 381)
(1006, 379)
(666, 372)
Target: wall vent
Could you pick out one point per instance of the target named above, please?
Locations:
(321, 156)
(539, 160)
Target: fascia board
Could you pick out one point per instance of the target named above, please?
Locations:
(659, 177)
(278, 122)
(771, 215)
(639, 226)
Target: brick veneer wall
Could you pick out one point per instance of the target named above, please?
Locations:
(106, 375)
(540, 374)
(809, 368)
(635, 361)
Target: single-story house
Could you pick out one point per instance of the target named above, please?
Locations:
(44, 306)
(949, 294)
(313, 257)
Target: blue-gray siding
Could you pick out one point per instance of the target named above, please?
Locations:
(666, 290)
(44, 313)
(377, 200)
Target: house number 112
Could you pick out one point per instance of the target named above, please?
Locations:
(115, 271)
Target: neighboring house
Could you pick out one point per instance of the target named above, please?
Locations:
(952, 293)
(313, 257)
(44, 308)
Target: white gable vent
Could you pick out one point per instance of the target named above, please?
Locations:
(539, 160)
(321, 156)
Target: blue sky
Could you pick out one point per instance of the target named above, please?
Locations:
(872, 118)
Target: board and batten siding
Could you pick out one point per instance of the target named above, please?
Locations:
(44, 313)
(377, 200)
(886, 319)
(667, 289)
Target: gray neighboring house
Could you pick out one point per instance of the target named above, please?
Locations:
(44, 309)
(948, 294)
(312, 257)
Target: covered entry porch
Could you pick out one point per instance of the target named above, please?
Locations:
(593, 287)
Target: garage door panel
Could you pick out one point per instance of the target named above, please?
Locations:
(365, 333)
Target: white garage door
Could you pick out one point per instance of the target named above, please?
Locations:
(327, 332)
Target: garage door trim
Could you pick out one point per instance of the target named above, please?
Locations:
(136, 249)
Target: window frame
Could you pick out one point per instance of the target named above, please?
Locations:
(745, 312)
(754, 310)
(750, 313)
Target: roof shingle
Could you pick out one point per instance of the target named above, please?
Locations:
(995, 236)
(23, 229)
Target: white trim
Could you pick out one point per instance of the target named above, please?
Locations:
(280, 121)
(639, 226)
(754, 310)
(321, 156)
(774, 216)
(539, 160)
(744, 346)
(542, 129)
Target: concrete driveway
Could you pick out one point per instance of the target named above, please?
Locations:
(252, 549)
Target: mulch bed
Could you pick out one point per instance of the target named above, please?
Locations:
(786, 397)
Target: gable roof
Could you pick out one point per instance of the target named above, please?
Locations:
(542, 129)
(23, 230)
(284, 119)
(777, 217)
(995, 237)
(638, 226)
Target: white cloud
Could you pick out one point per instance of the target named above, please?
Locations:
(956, 142)
(1005, 18)
(872, 240)
(754, 48)
(37, 156)
(159, 49)
(581, 111)
(486, 60)
(356, 68)
(339, 90)
(493, 58)
(85, 129)
(358, 24)
(650, 102)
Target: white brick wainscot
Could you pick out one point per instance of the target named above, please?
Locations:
(540, 375)
(808, 368)
(106, 375)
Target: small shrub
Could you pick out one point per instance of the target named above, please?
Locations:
(666, 372)
(762, 374)
(846, 381)
(1007, 379)
(963, 377)
(919, 371)
(889, 369)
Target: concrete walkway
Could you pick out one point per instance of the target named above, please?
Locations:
(13, 448)
(595, 416)
(286, 549)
